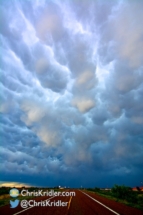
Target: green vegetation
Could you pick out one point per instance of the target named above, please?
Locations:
(5, 197)
(125, 193)
(122, 194)
(4, 190)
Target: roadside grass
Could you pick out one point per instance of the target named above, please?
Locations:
(108, 194)
(5, 197)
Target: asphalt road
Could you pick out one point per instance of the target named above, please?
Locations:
(84, 203)
(87, 203)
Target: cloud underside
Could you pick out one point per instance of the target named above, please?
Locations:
(72, 87)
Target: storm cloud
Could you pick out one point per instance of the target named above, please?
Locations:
(71, 92)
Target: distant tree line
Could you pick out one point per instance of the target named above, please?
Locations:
(125, 193)
(121, 192)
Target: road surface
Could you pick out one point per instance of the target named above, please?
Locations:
(84, 203)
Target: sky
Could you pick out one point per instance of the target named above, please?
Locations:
(71, 83)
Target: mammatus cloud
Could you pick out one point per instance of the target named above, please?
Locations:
(71, 83)
(83, 104)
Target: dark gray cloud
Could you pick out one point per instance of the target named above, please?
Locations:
(71, 101)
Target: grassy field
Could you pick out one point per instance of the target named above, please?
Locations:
(5, 197)
(133, 199)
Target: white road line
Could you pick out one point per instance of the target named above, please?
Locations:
(101, 204)
(31, 207)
